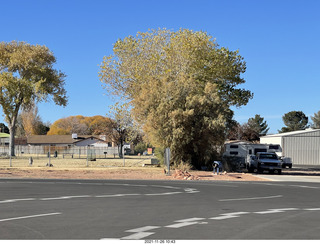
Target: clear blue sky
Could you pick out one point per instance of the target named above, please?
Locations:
(279, 40)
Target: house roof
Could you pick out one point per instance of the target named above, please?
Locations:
(56, 139)
(4, 135)
(292, 133)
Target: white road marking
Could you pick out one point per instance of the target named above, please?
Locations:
(183, 224)
(280, 210)
(312, 209)
(142, 232)
(137, 236)
(63, 197)
(143, 229)
(30, 216)
(229, 215)
(311, 187)
(118, 195)
(162, 194)
(189, 220)
(17, 200)
(249, 198)
(224, 217)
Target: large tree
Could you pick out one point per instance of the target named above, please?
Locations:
(181, 86)
(294, 120)
(316, 120)
(27, 76)
(123, 130)
(95, 125)
(259, 125)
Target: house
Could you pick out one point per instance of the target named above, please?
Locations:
(302, 146)
(4, 139)
(67, 140)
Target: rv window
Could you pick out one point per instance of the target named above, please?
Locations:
(234, 146)
(274, 147)
(234, 153)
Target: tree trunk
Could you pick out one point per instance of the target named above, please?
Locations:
(12, 131)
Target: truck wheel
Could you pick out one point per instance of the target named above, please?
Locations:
(279, 171)
(250, 169)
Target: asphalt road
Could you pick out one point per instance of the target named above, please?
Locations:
(158, 210)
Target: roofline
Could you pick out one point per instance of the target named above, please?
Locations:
(291, 133)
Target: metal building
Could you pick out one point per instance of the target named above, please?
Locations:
(303, 146)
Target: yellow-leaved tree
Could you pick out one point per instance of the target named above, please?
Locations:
(181, 86)
(27, 76)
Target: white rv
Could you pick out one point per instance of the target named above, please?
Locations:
(241, 151)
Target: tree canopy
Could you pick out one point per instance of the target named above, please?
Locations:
(27, 76)
(316, 120)
(294, 120)
(181, 86)
(259, 125)
(95, 125)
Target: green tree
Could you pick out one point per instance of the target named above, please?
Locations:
(294, 120)
(258, 124)
(27, 76)
(4, 128)
(181, 86)
(316, 120)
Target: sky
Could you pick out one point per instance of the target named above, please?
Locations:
(279, 40)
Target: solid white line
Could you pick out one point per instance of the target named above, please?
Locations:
(30, 216)
(312, 209)
(250, 198)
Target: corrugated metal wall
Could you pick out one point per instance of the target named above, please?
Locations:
(303, 149)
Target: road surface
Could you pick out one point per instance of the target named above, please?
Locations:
(158, 210)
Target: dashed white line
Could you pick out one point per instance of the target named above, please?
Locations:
(30, 216)
(249, 198)
(137, 236)
(17, 200)
(280, 210)
(189, 220)
(182, 224)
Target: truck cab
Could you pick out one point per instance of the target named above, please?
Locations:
(265, 161)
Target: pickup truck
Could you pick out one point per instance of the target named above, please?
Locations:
(265, 161)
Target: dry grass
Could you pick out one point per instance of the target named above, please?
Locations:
(129, 161)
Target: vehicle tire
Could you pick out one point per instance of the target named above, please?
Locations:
(250, 169)
(279, 171)
(260, 171)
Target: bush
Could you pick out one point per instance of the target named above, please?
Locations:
(159, 153)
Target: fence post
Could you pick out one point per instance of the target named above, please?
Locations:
(87, 155)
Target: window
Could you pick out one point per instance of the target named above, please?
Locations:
(250, 151)
(109, 144)
(276, 147)
(234, 146)
(234, 153)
